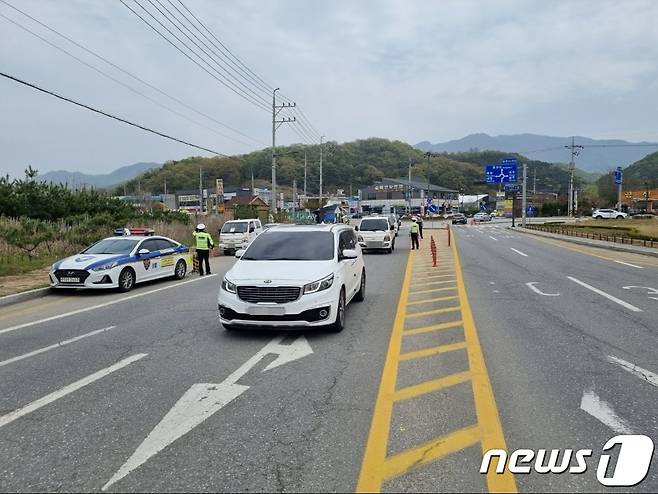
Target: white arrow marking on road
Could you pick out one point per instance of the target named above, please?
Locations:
(600, 410)
(532, 287)
(203, 400)
(638, 371)
(650, 291)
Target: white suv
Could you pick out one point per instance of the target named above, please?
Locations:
(238, 234)
(300, 276)
(600, 214)
(376, 233)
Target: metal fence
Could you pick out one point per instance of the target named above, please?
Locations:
(565, 230)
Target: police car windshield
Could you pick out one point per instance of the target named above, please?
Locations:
(291, 246)
(374, 225)
(112, 246)
(240, 227)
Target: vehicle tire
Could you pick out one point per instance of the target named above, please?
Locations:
(620, 217)
(339, 323)
(181, 270)
(598, 217)
(361, 294)
(126, 280)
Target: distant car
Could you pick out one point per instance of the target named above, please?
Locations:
(121, 262)
(301, 276)
(459, 218)
(393, 221)
(481, 217)
(601, 214)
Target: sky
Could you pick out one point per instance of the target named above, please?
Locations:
(407, 70)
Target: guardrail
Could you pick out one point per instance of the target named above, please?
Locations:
(565, 230)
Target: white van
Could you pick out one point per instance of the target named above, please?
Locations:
(376, 233)
(238, 234)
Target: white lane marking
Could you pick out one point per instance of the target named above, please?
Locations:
(202, 400)
(629, 264)
(636, 370)
(492, 238)
(532, 287)
(56, 345)
(60, 393)
(650, 290)
(606, 295)
(100, 306)
(602, 411)
(519, 252)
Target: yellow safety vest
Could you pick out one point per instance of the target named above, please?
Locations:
(414, 228)
(203, 240)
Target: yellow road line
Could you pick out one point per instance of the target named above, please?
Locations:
(431, 451)
(426, 283)
(485, 403)
(428, 300)
(430, 386)
(370, 478)
(433, 276)
(433, 327)
(415, 292)
(432, 312)
(435, 350)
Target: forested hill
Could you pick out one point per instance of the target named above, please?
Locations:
(357, 164)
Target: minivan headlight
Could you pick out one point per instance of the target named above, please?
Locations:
(228, 286)
(319, 285)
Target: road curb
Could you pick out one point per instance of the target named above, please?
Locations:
(23, 296)
(600, 244)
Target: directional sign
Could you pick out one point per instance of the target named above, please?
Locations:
(511, 187)
(503, 173)
(432, 208)
(619, 175)
(202, 400)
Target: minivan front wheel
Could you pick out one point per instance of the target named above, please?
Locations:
(361, 294)
(339, 323)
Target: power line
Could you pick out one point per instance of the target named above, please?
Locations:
(109, 115)
(117, 81)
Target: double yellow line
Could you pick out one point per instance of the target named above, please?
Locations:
(377, 465)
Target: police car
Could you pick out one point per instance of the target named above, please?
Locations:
(120, 262)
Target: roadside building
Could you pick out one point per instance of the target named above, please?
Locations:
(641, 200)
(400, 194)
(261, 207)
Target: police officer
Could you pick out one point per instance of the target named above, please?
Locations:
(413, 230)
(203, 245)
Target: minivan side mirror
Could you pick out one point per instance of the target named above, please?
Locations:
(251, 229)
(349, 254)
(143, 252)
(356, 228)
(392, 227)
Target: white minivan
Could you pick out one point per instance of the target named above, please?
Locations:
(238, 234)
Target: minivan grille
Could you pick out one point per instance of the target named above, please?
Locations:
(276, 294)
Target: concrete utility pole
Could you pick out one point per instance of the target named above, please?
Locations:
(409, 188)
(575, 151)
(275, 125)
(294, 196)
(200, 192)
(320, 203)
(304, 174)
(524, 199)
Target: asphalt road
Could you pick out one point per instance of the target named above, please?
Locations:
(145, 392)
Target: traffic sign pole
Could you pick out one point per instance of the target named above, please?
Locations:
(524, 201)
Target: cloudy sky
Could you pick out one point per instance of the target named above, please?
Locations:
(425, 70)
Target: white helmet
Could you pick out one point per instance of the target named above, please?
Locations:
(413, 218)
(201, 226)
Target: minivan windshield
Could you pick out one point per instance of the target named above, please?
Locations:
(112, 246)
(291, 246)
(374, 225)
(237, 227)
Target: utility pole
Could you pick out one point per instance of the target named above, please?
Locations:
(253, 189)
(276, 109)
(575, 151)
(534, 183)
(320, 200)
(200, 192)
(409, 188)
(304, 174)
(294, 196)
(524, 199)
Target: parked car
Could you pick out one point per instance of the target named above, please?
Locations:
(393, 221)
(600, 214)
(303, 276)
(238, 234)
(376, 233)
(481, 217)
(459, 218)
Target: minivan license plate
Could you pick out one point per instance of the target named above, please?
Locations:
(266, 311)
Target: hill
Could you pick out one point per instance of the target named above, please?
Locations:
(636, 177)
(78, 179)
(592, 160)
(349, 165)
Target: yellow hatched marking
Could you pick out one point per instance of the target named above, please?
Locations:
(431, 386)
(434, 276)
(427, 283)
(428, 352)
(431, 451)
(433, 327)
(428, 300)
(432, 312)
(432, 290)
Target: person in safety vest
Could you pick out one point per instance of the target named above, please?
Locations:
(413, 231)
(203, 245)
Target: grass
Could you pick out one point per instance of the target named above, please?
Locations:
(645, 229)
(19, 264)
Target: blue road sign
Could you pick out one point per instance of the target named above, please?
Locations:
(503, 173)
(619, 175)
(432, 208)
(530, 211)
(511, 187)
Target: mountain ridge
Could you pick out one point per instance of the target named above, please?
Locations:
(79, 179)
